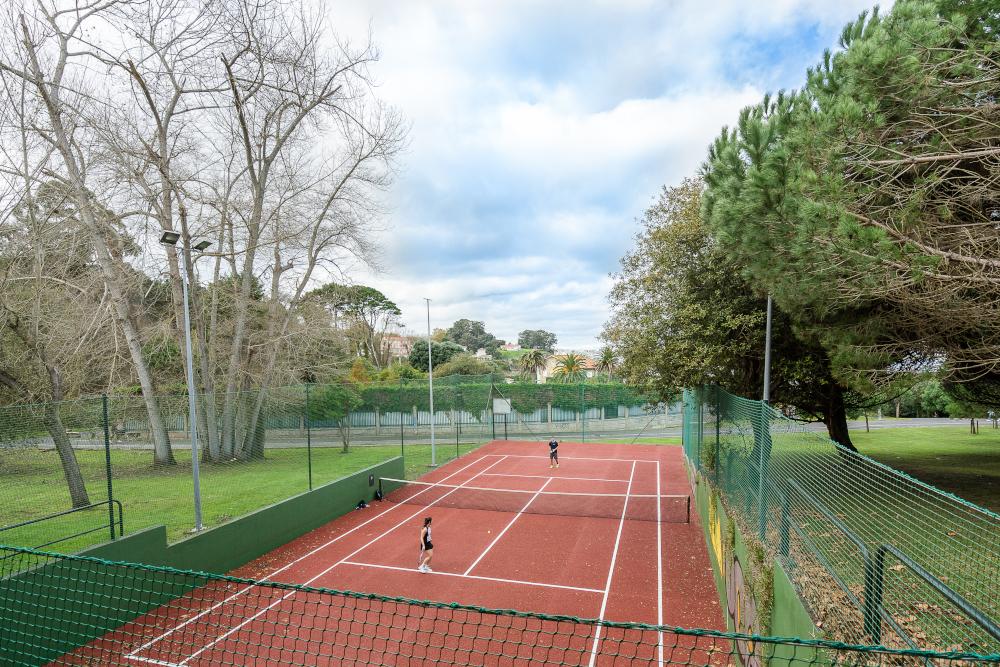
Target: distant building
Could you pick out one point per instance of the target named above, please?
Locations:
(589, 366)
(482, 354)
(399, 347)
(511, 347)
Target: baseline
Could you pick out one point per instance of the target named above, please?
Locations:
(570, 457)
(582, 479)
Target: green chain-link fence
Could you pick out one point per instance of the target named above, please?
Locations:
(878, 556)
(68, 610)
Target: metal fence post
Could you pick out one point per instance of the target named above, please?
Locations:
(309, 456)
(107, 466)
(583, 416)
(399, 406)
(718, 431)
(765, 436)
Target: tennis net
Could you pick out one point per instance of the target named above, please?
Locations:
(634, 507)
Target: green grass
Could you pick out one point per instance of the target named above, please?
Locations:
(33, 486)
(949, 458)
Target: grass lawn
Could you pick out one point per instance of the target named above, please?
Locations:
(949, 458)
(33, 486)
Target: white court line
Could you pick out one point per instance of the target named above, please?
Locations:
(585, 479)
(644, 496)
(475, 576)
(154, 661)
(133, 656)
(659, 565)
(611, 571)
(511, 523)
(572, 458)
(324, 572)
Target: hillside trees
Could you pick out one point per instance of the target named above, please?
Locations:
(365, 314)
(537, 339)
(472, 335)
(442, 353)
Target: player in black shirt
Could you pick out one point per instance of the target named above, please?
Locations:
(553, 453)
(426, 547)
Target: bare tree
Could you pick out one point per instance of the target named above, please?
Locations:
(53, 60)
(287, 95)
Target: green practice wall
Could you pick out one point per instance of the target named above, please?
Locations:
(63, 605)
(788, 616)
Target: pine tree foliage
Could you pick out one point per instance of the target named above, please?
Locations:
(867, 202)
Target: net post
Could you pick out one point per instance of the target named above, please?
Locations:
(399, 408)
(309, 459)
(107, 467)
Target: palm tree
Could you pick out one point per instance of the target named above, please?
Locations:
(607, 363)
(532, 361)
(569, 367)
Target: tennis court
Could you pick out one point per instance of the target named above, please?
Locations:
(609, 535)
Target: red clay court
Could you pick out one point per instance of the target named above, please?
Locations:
(605, 536)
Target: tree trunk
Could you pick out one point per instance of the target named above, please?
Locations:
(257, 427)
(54, 425)
(71, 468)
(897, 408)
(835, 418)
(344, 425)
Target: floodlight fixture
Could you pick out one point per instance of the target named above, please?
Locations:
(170, 238)
(201, 245)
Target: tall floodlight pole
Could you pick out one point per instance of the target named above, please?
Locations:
(764, 443)
(767, 354)
(171, 239)
(430, 374)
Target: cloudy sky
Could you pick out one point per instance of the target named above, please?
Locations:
(542, 130)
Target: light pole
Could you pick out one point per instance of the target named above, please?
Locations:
(430, 369)
(767, 354)
(171, 239)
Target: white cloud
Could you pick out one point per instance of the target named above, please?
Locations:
(540, 132)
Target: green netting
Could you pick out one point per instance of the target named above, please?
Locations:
(586, 412)
(877, 555)
(81, 611)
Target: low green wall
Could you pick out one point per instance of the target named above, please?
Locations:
(226, 547)
(66, 602)
(756, 594)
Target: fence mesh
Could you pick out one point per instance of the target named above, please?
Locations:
(70, 610)
(879, 556)
(119, 469)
